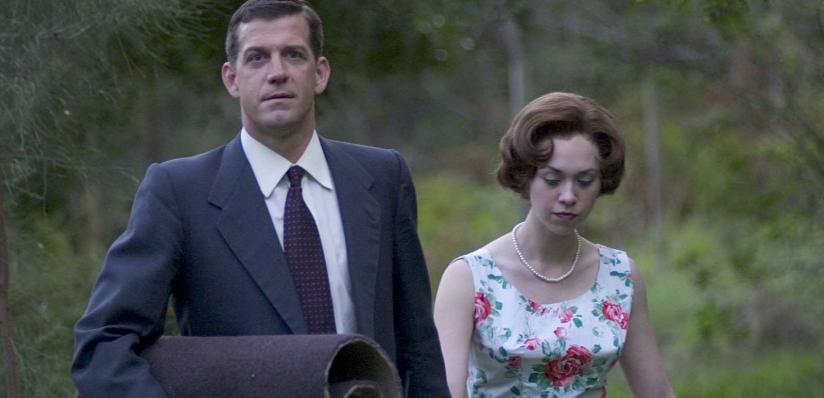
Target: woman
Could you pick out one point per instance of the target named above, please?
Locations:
(541, 311)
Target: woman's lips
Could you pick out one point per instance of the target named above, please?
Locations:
(565, 216)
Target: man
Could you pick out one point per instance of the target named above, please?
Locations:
(245, 243)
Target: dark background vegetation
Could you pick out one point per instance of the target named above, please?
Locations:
(721, 103)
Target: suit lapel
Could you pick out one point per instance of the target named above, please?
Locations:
(246, 226)
(360, 215)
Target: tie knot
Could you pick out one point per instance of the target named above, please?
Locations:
(295, 173)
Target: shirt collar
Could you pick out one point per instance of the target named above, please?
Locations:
(269, 167)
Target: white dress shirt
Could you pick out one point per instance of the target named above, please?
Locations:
(319, 194)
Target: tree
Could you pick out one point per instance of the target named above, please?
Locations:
(64, 66)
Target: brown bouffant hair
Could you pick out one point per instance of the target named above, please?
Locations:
(270, 10)
(527, 145)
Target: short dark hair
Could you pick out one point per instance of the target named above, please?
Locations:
(269, 10)
(527, 145)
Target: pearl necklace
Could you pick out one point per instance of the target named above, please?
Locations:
(536, 273)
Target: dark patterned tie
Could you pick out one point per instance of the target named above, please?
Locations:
(304, 255)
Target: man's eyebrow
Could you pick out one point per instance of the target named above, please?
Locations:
(253, 49)
(289, 47)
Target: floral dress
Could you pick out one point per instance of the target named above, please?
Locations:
(521, 348)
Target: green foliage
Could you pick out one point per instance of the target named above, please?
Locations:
(769, 374)
(457, 216)
(64, 64)
(765, 374)
(49, 280)
(95, 90)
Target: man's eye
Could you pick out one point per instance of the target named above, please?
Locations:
(294, 55)
(256, 57)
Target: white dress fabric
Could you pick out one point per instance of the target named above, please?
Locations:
(521, 348)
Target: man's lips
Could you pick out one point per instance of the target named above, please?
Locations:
(278, 96)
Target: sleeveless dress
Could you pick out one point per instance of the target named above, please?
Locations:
(521, 348)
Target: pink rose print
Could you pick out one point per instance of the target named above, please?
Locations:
(561, 371)
(513, 362)
(531, 344)
(560, 332)
(565, 315)
(537, 308)
(613, 312)
(482, 307)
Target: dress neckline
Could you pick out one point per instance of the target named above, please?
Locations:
(599, 249)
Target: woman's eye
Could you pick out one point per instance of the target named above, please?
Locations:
(585, 183)
(553, 182)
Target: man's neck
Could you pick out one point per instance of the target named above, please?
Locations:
(290, 144)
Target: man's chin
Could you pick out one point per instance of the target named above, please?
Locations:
(279, 127)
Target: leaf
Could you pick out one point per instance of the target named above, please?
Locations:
(515, 390)
(482, 375)
(545, 348)
(596, 349)
(543, 382)
(577, 322)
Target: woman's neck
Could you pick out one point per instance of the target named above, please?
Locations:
(546, 249)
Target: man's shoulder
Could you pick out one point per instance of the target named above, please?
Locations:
(191, 175)
(381, 164)
(359, 150)
(208, 160)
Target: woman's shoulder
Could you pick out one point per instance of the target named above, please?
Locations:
(612, 256)
(618, 265)
(483, 256)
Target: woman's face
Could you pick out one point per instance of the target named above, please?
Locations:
(563, 191)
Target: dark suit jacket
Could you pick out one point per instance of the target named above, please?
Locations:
(200, 233)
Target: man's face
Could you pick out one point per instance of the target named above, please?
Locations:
(276, 77)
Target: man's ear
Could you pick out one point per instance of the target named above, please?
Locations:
(322, 72)
(229, 76)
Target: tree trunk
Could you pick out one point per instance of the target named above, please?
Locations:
(92, 217)
(10, 366)
(515, 66)
(515, 57)
(154, 143)
(652, 150)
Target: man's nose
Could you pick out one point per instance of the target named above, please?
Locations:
(276, 72)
